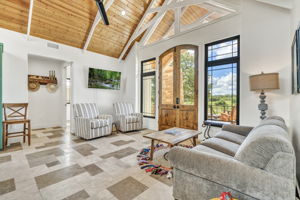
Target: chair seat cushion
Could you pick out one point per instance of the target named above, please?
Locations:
(231, 137)
(99, 123)
(16, 121)
(221, 145)
(210, 150)
(131, 119)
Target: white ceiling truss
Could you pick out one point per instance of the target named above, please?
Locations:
(287, 4)
(179, 7)
(29, 18)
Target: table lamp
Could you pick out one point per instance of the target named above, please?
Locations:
(262, 82)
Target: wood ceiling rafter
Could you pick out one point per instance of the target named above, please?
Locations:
(139, 29)
(121, 28)
(77, 23)
(29, 17)
(95, 23)
(160, 26)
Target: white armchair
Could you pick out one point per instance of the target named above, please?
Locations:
(89, 123)
(126, 118)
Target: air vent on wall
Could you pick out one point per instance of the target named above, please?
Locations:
(52, 45)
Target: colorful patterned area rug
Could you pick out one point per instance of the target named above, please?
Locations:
(160, 164)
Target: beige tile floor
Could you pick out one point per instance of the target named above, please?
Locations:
(59, 165)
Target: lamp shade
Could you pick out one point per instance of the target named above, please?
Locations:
(263, 81)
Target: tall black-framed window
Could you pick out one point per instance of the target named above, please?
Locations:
(148, 88)
(222, 77)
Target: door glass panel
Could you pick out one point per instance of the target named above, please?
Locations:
(149, 96)
(167, 78)
(187, 77)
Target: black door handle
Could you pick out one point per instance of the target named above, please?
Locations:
(177, 107)
(174, 106)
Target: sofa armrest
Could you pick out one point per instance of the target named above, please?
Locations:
(82, 126)
(80, 121)
(139, 115)
(120, 117)
(230, 173)
(241, 130)
(107, 117)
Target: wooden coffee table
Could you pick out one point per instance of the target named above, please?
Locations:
(170, 139)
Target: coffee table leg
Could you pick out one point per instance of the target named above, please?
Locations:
(152, 150)
(194, 141)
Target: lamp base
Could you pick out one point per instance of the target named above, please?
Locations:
(263, 107)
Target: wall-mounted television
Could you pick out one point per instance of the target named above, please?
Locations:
(296, 63)
(104, 79)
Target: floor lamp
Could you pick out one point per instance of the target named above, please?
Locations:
(262, 82)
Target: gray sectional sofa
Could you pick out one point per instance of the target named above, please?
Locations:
(251, 163)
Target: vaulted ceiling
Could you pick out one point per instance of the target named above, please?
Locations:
(71, 22)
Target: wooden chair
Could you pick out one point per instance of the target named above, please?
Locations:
(230, 116)
(15, 113)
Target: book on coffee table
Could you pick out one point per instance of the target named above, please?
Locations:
(173, 131)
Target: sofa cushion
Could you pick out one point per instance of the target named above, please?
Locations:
(131, 119)
(221, 145)
(231, 137)
(210, 150)
(262, 144)
(99, 123)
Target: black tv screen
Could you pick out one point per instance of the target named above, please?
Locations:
(104, 79)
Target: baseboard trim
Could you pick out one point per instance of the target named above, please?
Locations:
(37, 126)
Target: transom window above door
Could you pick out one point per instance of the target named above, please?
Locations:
(222, 61)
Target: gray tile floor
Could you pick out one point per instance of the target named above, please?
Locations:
(59, 165)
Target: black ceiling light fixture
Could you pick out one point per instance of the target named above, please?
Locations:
(102, 11)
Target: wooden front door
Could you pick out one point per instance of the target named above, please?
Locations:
(178, 88)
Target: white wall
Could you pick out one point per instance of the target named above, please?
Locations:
(265, 46)
(47, 109)
(15, 69)
(295, 99)
(130, 79)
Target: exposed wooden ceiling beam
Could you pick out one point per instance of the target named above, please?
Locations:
(175, 4)
(152, 28)
(181, 13)
(139, 29)
(95, 23)
(177, 20)
(222, 4)
(160, 11)
(287, 4)
(30, 18)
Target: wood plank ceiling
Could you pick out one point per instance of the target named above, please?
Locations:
(14, 15)
(110, 40)
(63, 21)
(69, 22)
